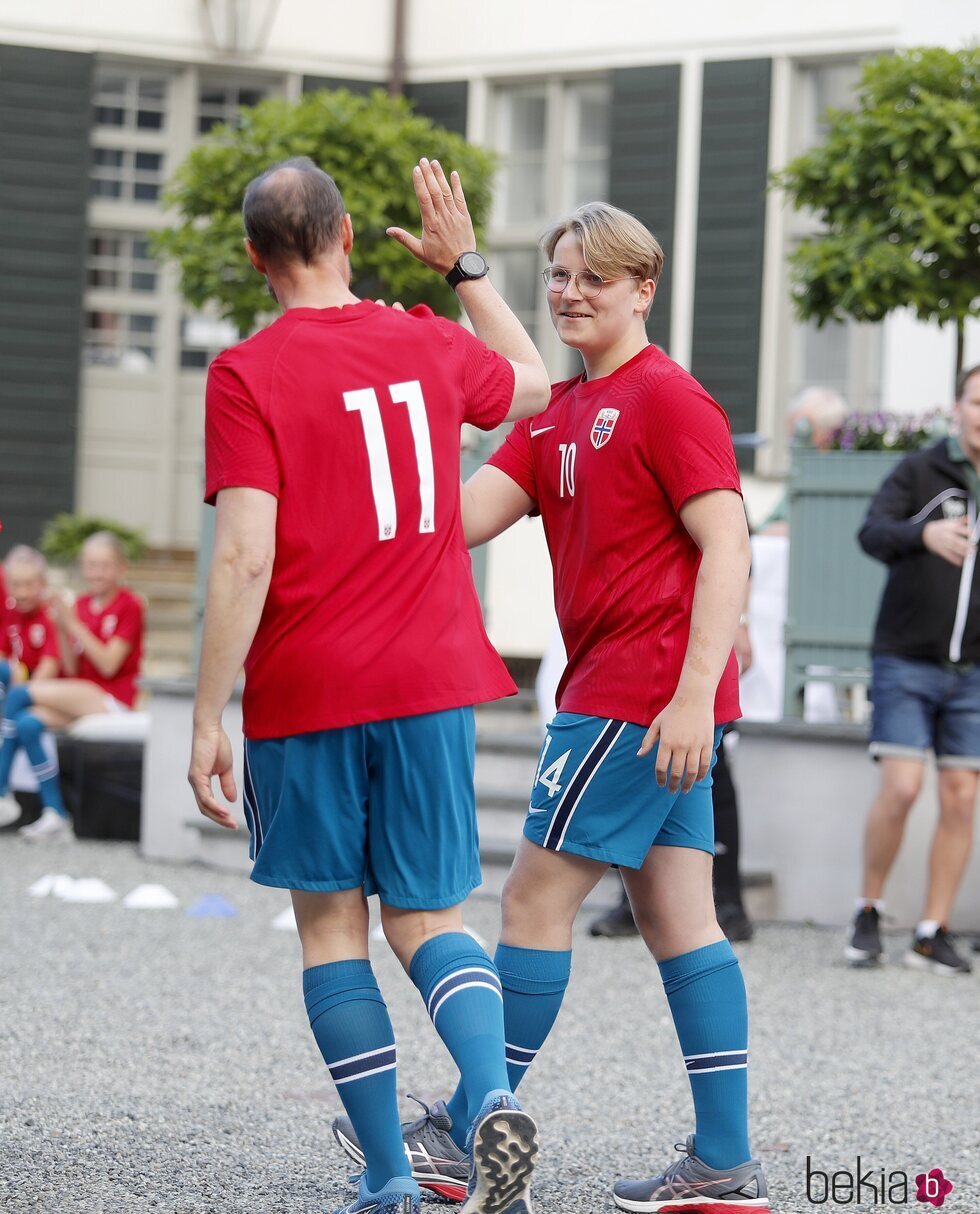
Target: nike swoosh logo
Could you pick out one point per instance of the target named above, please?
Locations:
(537, 811)
(543, 430)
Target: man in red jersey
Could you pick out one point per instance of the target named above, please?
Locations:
(632, 470)
(341, 579)
(101, 647)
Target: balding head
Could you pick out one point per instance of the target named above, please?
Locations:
(293, 212)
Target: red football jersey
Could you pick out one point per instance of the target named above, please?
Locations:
(29, 638)
(122, 617)
(609, 464)
(351, 418)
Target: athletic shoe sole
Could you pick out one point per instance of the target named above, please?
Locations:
(505, 1147)
(695, 1205)
(857, 956)
(452, 1189)
(915, 961)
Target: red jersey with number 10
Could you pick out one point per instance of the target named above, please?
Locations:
(351, 418)
(610, 463)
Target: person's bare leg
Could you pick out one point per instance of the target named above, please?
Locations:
(952, 841)
(58, 702)
(543, 894)
(332, 926)
(901, 782)
(407, 930)
(672, 901)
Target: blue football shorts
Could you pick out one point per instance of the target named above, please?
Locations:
(592, 795)
(388, 805)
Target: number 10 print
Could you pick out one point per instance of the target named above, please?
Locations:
(365, 402)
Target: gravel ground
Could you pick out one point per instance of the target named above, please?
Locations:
(155, 1062)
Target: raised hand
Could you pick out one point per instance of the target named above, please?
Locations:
(447, 229)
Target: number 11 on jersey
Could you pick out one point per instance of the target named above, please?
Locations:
(365, 402)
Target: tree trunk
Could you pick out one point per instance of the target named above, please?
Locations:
(960, 334)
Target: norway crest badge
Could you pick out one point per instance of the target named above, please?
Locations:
(603, 427)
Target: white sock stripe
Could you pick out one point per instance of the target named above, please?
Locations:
(384, 1049)
(472, 969)
(714, 1054)
(44, 771)
(465, 986)
(8, 728)
(520, 1049)
(364, 1074)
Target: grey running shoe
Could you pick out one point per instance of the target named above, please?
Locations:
(437, 1162)
(502, 1146)
(864, 942)
(690, 1185)
(399, 1196)
(936, 953)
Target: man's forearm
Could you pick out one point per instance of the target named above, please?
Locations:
(233, 607)
(719, 596)
(495, 324)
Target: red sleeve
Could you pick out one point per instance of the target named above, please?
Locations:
(4, 644)
(689, 445)
(129, 625)
(486, 379)
(239, 450)
(513, 457)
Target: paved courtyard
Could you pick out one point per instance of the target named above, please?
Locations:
(152, 1061)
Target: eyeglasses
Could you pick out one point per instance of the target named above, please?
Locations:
(587, 284)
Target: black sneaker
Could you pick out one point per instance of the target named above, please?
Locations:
(437, 1162)
(936, 953)
(864, 943)
(734, 922)
(618, 922)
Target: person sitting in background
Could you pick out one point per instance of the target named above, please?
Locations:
(28, 639)
(101, 639)
(813, 417)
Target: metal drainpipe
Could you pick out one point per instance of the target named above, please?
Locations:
(396, 78)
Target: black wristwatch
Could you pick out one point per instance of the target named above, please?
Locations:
(468, 266)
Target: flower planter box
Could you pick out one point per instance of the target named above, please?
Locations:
(834, 588)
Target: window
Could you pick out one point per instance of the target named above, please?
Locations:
(123, 340)
(217, 103)
(553, 142)
(126, 175)
(130, 100)
(121, 261)
(202, 338)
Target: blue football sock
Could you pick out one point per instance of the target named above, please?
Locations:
(707, 1000)
(15, 702)
(30, 730)
(461, 990)
(533, 982)
(350, 1022)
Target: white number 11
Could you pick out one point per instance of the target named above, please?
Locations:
(365, 402)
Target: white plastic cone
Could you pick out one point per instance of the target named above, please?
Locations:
(150, 897)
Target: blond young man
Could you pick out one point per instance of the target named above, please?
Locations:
(632, 470)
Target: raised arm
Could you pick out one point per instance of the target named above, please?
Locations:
(447, 231)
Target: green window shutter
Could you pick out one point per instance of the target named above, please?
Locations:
(731, 234)
(643, 164)
(45, 116)
(312, 84)
(443, 102)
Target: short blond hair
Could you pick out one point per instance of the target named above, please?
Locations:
(614, 243)
(22, 554)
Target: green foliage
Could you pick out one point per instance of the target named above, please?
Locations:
(369, 145)
(896, 184)
(63, 536)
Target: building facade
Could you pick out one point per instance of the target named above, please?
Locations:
(677, 113)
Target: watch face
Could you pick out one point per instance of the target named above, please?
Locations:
(473, 265)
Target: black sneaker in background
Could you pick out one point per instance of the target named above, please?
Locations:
(618, 922)
(936, 953)
(734, 922)
(864, 942)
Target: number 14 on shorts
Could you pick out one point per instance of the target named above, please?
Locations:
(550, 776)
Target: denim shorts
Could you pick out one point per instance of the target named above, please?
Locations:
(921, 706)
